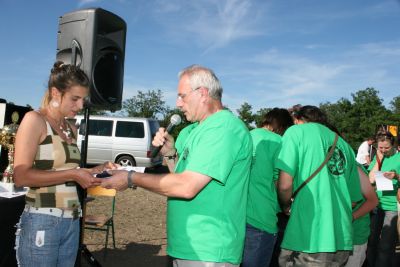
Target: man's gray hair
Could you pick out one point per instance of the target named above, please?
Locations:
(200, 76)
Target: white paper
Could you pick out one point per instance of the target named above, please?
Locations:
(382, 183)
(132, 168)
(7, 190)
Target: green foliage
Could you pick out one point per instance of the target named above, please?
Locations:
(395, 104)
(167, 119)
(259, 116)
(97, 111)
(358, 119)
(246, 115)
(395, 107)
(147, 105)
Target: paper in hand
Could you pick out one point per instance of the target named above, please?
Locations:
(382, 183)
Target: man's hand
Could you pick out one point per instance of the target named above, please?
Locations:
(118, 180)
(164, 139)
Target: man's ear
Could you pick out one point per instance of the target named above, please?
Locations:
(203, 91)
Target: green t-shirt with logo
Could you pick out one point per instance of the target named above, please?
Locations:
(211, 226)
(361, 228)
(321, 214)
(388, 198)
(262, 203)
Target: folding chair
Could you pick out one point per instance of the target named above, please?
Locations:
(101, 222)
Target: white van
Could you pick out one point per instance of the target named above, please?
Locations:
(123, 140)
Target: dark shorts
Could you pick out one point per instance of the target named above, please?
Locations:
(323, 259)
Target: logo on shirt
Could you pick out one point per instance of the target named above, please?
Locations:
(337, 163)
(185, 153)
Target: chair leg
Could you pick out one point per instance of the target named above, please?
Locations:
(113, 232)
(106, 244)
(107, 232)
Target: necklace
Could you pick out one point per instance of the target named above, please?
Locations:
(63, 127)
(66, 131)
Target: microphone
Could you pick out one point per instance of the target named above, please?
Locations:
(175, 120)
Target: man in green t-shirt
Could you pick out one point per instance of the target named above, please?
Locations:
(208, 184)
(319, 231)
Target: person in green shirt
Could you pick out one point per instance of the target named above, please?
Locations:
(207, 190)
(319, 231)
(383, 238)
(262, 203)
(361, 220)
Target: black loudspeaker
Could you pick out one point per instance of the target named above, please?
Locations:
(94, 40)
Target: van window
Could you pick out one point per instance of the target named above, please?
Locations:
(130, 129)
(97, 127)
(154, 125)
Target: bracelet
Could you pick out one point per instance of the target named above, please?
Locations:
(130, 180)
(173, 157)
(172, 154)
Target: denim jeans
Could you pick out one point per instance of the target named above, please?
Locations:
(258, 247)
(383, 238)
(46, 240)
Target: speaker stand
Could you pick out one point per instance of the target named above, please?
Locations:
(82, 193)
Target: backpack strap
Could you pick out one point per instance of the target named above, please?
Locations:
(317, 170)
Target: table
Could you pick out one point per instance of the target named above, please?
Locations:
(10, 210)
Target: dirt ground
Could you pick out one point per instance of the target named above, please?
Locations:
(140, 234)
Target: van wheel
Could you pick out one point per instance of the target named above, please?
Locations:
(126, 161)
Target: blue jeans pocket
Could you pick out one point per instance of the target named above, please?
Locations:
(37, 239)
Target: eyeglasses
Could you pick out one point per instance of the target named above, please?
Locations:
(181, 97)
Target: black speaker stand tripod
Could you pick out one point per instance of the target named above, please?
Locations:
(82, 193)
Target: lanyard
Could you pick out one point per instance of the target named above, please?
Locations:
(380, 162)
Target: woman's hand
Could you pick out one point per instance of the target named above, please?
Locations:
(390, 175)
(85, 178)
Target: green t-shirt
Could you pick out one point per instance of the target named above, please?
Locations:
(262, 202)
(361, 228)
(211, 226)
(321, 214)
(388, 199)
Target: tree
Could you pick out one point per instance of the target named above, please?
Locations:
(259, 116)
(339, 115)
(246, 115)
(167, 119)
(147, 105)
(358, 119)
(395, 105)
(369, 111)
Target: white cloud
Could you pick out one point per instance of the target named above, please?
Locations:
(210, 24)
(86, 2)
(277, 77)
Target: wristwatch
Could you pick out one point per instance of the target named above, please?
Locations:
(130, 180)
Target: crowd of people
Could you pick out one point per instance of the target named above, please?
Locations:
(290, 192)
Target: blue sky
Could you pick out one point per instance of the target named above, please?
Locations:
(268, 53)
